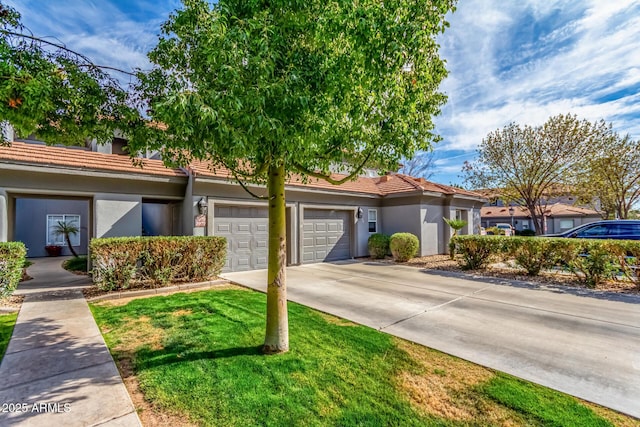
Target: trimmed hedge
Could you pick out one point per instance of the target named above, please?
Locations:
(125, 262)
(592, 261)
(12, 261)
(404, 246)
(378, 245)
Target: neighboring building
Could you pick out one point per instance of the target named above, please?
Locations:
(108, 196)
(558, 217)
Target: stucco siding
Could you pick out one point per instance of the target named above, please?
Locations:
(4, 216)
(118, 215)
(31, 222)
(402, 219)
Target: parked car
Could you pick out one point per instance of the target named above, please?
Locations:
(508, 230)
(620, 229)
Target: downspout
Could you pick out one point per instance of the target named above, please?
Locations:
(187, 203)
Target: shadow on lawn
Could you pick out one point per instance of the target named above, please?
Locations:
(180, 353)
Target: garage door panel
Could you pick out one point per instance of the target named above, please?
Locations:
(246, 231)
(326, 235)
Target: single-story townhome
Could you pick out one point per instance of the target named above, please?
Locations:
(558, 217)
(103, 193)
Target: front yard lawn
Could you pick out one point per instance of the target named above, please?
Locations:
(7, 322)
(196, 358)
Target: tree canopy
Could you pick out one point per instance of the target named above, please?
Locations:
(613, 177)
(270, 89)
(265, 89)
(54, 92)
(529, 164)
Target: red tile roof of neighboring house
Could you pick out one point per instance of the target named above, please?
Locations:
(23, 153)
(556, 209)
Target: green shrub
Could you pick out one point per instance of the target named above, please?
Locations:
(12, 261)
(477, 251)
(525, 233)
(592, 261)
(404, 246)
(76, 264)
(378, 245)
(120, 263)
(537, 254)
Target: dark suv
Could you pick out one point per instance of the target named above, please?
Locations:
(620, 229)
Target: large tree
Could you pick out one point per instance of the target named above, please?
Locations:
(270, 89)
(612, 177)
(531, 164)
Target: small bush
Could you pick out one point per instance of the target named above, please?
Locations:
(477, 251)
(12, 261)
(537, 254)
(591, 261)
(525, 233)
(378, 245)
(404, 246)
(76, 264)
(120, 263)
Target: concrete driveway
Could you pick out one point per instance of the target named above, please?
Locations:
(580, 342)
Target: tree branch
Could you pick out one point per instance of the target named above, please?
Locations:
(61, 46)
(328, 178)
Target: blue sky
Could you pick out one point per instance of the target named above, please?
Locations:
(509, 61)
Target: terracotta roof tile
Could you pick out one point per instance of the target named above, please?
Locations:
(360, 185)
(23, 153)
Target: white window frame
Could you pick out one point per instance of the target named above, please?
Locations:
(566, 221)
(59, 240)
(374, 220)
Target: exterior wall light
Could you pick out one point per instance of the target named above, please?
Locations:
(360, 213)
(203, 206)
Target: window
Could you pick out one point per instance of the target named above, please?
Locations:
(459, 215)
(566, 224)
(373, 220)
(595, 231)
(58, 239)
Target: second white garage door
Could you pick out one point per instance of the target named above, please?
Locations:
(247, 232)
(326, 235)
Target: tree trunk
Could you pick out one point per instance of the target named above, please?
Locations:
(277, 331)
(68, 239)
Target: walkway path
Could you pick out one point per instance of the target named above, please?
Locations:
(57, 369)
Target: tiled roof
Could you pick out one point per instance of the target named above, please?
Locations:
(556, 209)
(23, 153)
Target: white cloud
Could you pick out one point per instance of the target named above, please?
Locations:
(589, 52)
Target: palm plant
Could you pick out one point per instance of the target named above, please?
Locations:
(67, 229)
(455, 224)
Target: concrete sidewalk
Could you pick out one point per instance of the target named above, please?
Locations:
(57, 369)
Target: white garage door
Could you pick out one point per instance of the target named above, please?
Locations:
(326, 235)
(246, 230)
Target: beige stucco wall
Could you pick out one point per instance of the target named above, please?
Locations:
(4, 217)
(117, 215)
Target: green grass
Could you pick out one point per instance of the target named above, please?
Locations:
(78, 264)
(7, 322)
(548, 406)
(198, 355)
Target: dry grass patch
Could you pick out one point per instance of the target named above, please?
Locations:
(445, 387)
(336, 320)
